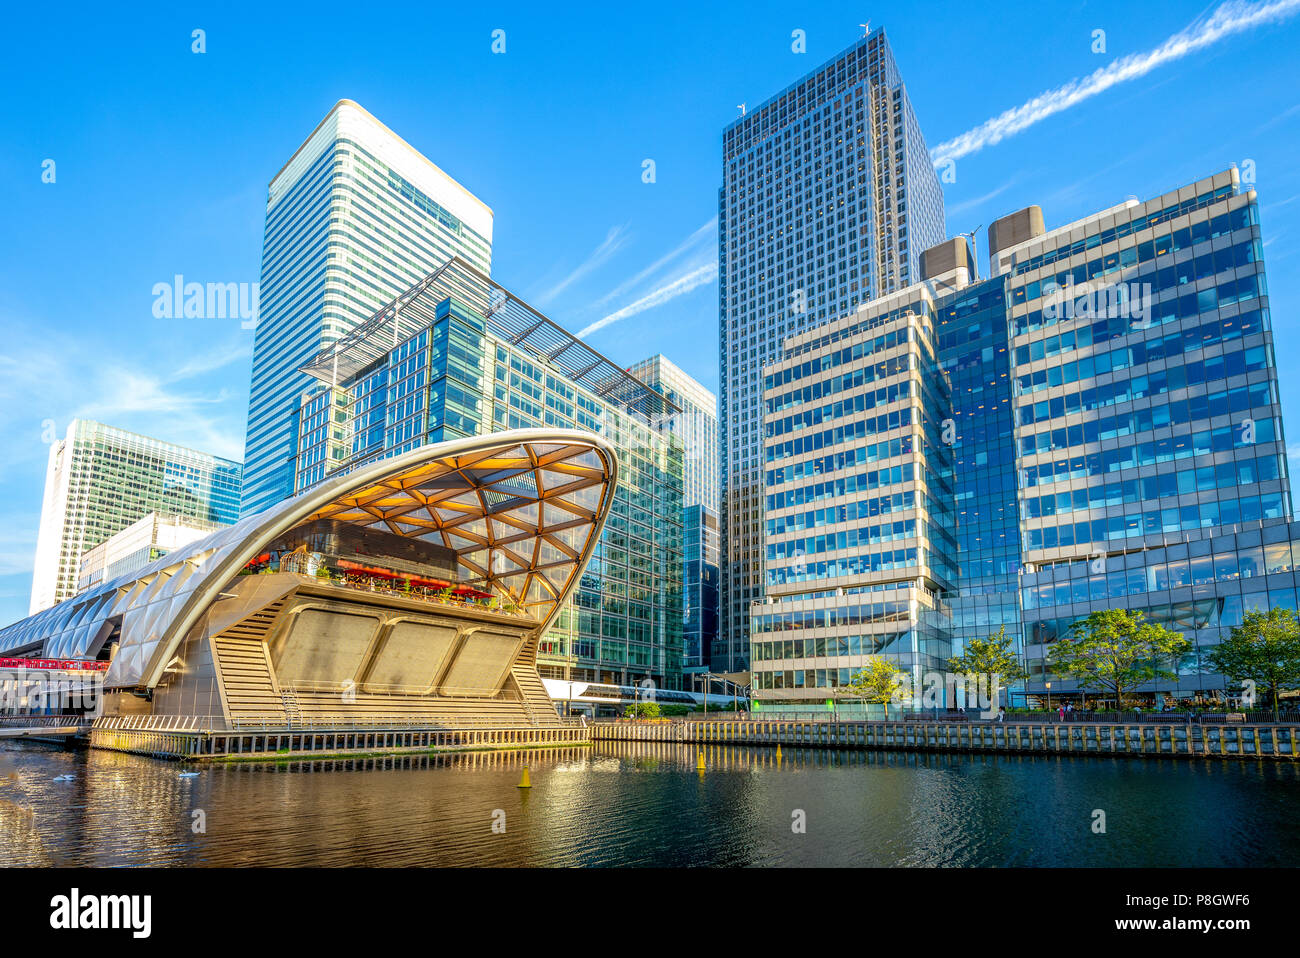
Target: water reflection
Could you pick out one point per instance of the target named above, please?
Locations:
(645, 804)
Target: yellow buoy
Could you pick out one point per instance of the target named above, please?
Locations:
(699, 761)
(778, 752)
(525, 782)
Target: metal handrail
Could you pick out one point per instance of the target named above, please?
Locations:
(329, 722)
(43, 721)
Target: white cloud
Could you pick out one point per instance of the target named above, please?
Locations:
(1230, 18)
(44, 381)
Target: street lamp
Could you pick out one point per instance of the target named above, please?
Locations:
(1049, 701)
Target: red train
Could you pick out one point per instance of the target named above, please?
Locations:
(62, 665)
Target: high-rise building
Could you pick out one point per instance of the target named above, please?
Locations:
(696, 425)
(101, 479)
(1110, 399)
(972, 337)
(828, 198)
(700, 573)
(457, 355)
(1150, 449)
(355, 217)
(860, 553)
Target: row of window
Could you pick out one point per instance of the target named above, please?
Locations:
(1218, 512)
(1224, 475)
(859, 403)
(1192, 409)
(1203, 443)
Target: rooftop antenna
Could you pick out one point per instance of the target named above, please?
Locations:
(866, 28)
(741, 108)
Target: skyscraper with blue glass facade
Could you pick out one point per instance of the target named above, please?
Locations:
(828, 198)
(696, 425)
(356, 216)
(1150, 448)
(1112, 411)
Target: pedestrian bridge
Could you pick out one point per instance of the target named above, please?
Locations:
(43, 726)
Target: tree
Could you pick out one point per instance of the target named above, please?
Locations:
(1115, 651)
(1264, 649)
(645, 710)
(878, 683)
(991, 661)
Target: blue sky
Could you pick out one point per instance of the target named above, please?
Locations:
(162, 157)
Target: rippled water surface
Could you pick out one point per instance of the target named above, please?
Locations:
(645, 804)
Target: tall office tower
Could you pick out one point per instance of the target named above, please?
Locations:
(696, 425)
(1151, 455)
(101, 479)
(858, 513)
(828, 198)
(355, 217)
(457, 355)
(700, 581)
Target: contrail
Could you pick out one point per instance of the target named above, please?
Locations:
(1229, 18)
(616, 237)
(671, 290)
(709, 227)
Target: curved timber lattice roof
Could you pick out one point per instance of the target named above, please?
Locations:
(522, 510)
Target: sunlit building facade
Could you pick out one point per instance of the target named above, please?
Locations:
(355, 216)
(1109, 402)
(828, 197)
(858, 513)
(101, 479)
(1151, 454)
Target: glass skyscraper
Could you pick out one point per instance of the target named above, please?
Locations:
(101, 479)
(828, 198)
(457, 355)
(356, 216)
(1150, 449)
(1109, 400)
(696, 425)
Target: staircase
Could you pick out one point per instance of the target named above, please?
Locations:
(244, 668)
(292, 714)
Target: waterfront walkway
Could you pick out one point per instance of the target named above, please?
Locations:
(1147, 739)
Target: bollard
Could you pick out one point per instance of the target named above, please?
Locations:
(525, 781)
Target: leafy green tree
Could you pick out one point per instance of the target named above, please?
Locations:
(1115, 651)
(992, 660)
(878, 683)
(645, 710)
(1265, 650)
